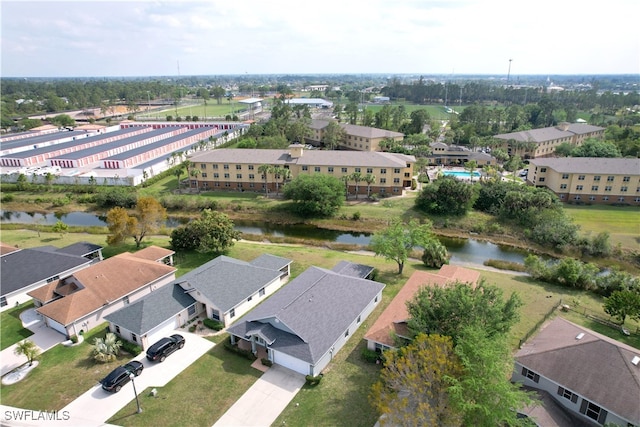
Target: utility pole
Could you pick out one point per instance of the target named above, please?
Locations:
(509, 72)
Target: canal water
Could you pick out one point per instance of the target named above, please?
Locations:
(461, 250)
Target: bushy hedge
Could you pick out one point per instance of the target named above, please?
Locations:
(237, 350)
(370, 356)
(123, 197)
(213, 324)
(131, 348)
(311, 380)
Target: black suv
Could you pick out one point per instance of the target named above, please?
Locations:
(161, 349)
(121, 375)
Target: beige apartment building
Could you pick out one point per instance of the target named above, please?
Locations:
(360, 138)
(534, 143)
(588, 179)
(240, 169)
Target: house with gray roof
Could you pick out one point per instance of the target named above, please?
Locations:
(304, 324)
(25, 270)
(223, 289)
(359, 138)
(594, 377)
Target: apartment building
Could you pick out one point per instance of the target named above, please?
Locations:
(534, 143)
(588, 179)
(360, 138)
(240, 169)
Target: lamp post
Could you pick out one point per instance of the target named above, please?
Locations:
(132, 376)
(148, 104)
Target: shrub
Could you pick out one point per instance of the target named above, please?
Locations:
(370, 356)
(7, 198)
(74, 339)
(356, 216)
(213, 324)
(116, 196)
(131, 348)
(266, 362)
(192, 328)
(235, 349)
(311, 380)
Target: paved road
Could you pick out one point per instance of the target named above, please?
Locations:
(265, 399)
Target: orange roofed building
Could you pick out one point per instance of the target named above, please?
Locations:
(392, 322)
(79, 302)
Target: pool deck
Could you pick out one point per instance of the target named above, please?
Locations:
(433, 171)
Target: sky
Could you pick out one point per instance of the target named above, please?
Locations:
(165, 38)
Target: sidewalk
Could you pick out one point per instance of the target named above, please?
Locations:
(265, 399)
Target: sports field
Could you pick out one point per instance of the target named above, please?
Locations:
(622, 223)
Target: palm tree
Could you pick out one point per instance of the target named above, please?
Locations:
(346, 179)
(357, 177)
(369, 179)
(264, 170)
(28, 349)
(106, 349)
(277, 172)
(471, 167)
(194, 173)
(285, 174)
(178, 173)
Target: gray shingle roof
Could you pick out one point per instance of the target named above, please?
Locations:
(309, 157)
(549, 133)
(596, 367)
(270, 262)
(148, 312)
(347, 268)
(227, 281)
(317, 307)
(80, 249)
(591, 165)
(28, 266)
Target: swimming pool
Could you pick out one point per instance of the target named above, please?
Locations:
(461, 174)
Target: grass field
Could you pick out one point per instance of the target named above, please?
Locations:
(622, 223)
(11, 330)
(197, 108)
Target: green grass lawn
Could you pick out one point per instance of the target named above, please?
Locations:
(11, 330)
(197, 109)
(64, 373)
(622, 223)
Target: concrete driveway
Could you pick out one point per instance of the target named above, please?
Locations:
(265, 399)
(43, 337)
(99, 405)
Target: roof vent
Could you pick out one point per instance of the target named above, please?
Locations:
(580, 335)
(635, 360)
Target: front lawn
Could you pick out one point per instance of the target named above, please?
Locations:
(11, 330)
(64, 373)
(198, 396)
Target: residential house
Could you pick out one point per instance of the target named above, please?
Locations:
(392, 323)
(359, 138)
(542, 142)
(157, 254)
(224, 289)
(455, 155)
(588, 179)
(304, 324)
(25, 270)
(592, 376)
(237, 169)
(80, 301)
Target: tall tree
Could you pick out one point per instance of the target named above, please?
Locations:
(27, 348)
(265, 170)
(413, 385)
(623, 303)
(395, 242)
(357, 178)
(370, 179)
(149, 216)
(213, 232)
(447, 311)
(315, 195)
(447, 195)
(333, 135)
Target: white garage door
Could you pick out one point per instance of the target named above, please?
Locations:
(291, 363)
(165, 329)
(57, 326)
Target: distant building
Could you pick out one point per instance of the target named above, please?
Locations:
(311, 102)
(533, 143)
(381, 99)
(455, 155)
(588, 179)
(360, 138)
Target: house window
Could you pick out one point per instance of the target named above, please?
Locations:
(577, 198)
(359, 319)
(346, 333)
(565, 176)
(607, 188)
(191, 311)
(117, 329)
(203, 174)
(261, 292)
(238, 176)
(216, 175)
(203, 165)
(134, 337)
(563, 186)
(396, 180)
(232, 313)
(3, 301)
(226, 175)
(594, 188)
(252, 176)
(578, 187)
(305, 168)
(383, 171)
(621, 199)
(605, 198)
(383, 180)
(369, 170)
(227, 184)
(593, 411)
(530, 374)
(596, 178)
(592, 198)
(376, 300)
(51, 279)
(238, 167)
(125, 300)
(250, 167)
(226, 167)
(215, 166)
(626, 179)
(543, 169)
(541, 179)
(317, 168)
(580, 177)
(358, 170)
(396, 170)
(250, 298)
(215, 314)
(610, 178)
(330, 169)
(344, 170)
(623, 189)
(567, 394)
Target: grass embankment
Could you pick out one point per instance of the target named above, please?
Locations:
(11, 330)
(622, 223)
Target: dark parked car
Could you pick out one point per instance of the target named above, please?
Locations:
(121, 375)
(161, 349)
